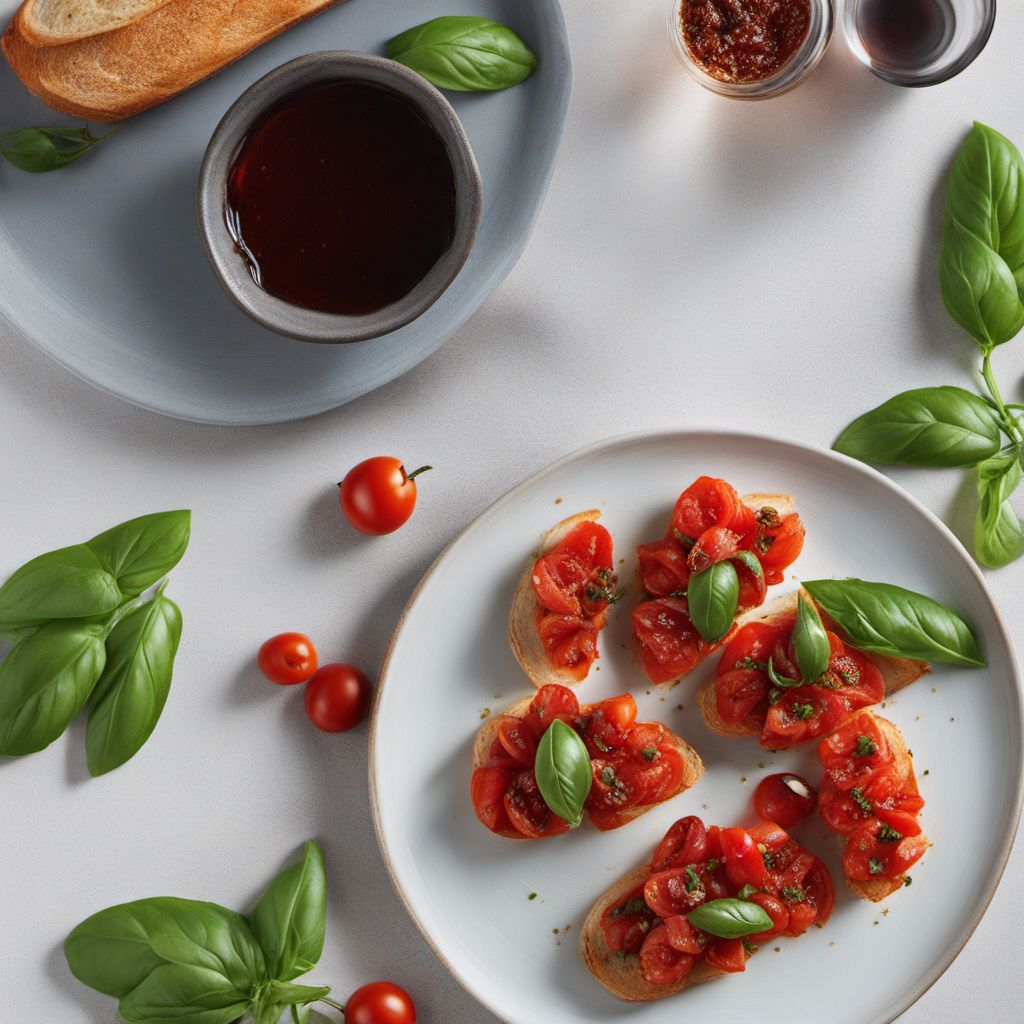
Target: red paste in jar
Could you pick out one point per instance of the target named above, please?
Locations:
(743, 40)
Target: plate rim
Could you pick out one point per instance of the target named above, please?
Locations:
(692, 435)
(509, 255)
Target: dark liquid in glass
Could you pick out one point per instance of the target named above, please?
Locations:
(905, 34)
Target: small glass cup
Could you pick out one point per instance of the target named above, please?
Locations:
(791, 74)
(919, 42)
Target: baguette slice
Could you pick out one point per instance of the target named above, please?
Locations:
(488, 733)
(53, 22)
(896, 672)
(620, 974)
(127, 70)
(878, 889)
(522, 620)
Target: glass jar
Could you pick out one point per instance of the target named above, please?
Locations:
(792, 73)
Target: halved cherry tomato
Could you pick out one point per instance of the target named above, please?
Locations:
(707, 502)
(686, 842)
(753, 586)
(663, 568)
(669, 642)
(561, 576)
(518, 740)
(620, 711)
(785, 798)
(754, 642)
(487, 789)
(553, 701)
(776, 910)
(779, 545)
(867, 858)
(378, 496)
(683, 937)
(672, 892)
(741, 694)
(769, 835)
(527, 811)
(801, 713)
(337, 698)
(743, 862)
(287, 659)
(713, 545)
(818, 886)
(570, 642)
(627, 924)
(727, 955)
(660, 963)
(380, 1002)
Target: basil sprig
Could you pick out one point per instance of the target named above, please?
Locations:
(87, 632)
(38, 150)
(564, 775)
(712, 598)
(169, 960)
(981, 272)
(464, 54)
(730, 918)
(886, 619)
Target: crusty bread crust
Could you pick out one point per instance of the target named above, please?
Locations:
(522, 620)
(488, 733)
(621, 974)
(878, 889)
(896, 672)
(120, 73)
(782, 503)
(53, 22)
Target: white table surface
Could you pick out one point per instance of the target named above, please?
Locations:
(699, 262)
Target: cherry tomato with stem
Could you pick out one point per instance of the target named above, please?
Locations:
(337, 698)
(380, 1002)
(287, 659)
(784, 798)
(377, 496)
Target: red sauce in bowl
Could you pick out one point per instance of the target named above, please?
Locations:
(743, 40)
(342, 197)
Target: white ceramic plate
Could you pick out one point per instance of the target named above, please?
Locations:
(101, 263)
(468, 890)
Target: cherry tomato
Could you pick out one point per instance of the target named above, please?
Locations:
(337, 698)
(660, 963)
(743, 862)
(287, 658)
(784, 798)
(378, 496)
(380, 1002)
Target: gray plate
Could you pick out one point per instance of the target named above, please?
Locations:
(101, 264)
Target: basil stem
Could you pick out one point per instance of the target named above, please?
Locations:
(563, 770)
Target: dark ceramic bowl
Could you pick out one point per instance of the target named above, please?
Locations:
(229, 265)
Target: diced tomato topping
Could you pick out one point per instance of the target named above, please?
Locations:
(573, 583)
(663, 568)
(867, 857)
(660, 964)
(707, 502)
(669, 642)
(744, 525)
(727, 955)
(620, 711)
(713, 545)
(779, 545)
(752, 644)
(802, 713)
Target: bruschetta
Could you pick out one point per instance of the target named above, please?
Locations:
(561, 601)
(742, 699)
(700, 908)
(635, 765)
(758, 536)
(869, 798)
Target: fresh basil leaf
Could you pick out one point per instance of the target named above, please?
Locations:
(291, 916)
(998, 532)
(730, 918)
(751, 561)
(464, 54)
(142, 551)
(131, 693)
(71, 583)
(44, 682)
(173, 993)
(886, 619)
(564, 775)
(779, 680)
(982, 261)
(810, 641)
(47, 149)
(943, 426)
(713, 597)
(117, 949)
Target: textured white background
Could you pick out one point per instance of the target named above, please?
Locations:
(699, 262)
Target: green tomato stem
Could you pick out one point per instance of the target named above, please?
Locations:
(416, 473)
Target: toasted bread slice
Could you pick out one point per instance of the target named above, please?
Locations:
(620, 974)
(122, 72)
(488, 733)
(878, 889)
(782, 503)
(522, 620)
(896, 672)
(53, 22)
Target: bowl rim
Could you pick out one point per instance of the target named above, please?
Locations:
(313, 325)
